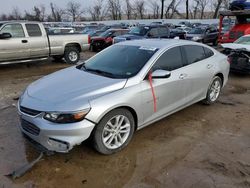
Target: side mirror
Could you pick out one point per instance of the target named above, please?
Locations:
(5, 36)
(161, 74)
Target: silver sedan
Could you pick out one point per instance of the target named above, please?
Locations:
(121, 89)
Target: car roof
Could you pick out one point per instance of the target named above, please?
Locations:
(158, 43)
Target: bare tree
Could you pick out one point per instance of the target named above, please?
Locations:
(187, 9)
(114, 9)
(156, 9)
(16, 14)
(129, 9)
(98, 11)
(56, 13)
(162, 8)
(140, 8)
(172, 8)
(74, 10)
(217, 8)
(203, 4)
(196, 8)
(38, 14)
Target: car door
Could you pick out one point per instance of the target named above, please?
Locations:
(200, 70)
(170, 92)
(37, 41)
(16, 47)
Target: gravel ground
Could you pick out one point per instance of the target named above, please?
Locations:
(201, 146)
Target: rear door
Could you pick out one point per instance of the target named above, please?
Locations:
(38, 41)
(170, 92)
(16, 47)
(200, 70)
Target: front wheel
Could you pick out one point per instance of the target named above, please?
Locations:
(114, 131)
(214, 91)
(71, 55)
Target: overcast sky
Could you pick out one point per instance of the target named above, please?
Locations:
(6, 6)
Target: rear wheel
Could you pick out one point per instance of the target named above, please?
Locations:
(114, 131)
(71, 55)
(214, 91)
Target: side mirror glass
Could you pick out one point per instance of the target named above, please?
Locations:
(5, 36)
(161, 74)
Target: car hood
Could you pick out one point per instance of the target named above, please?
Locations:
(235, 46)
(71, 86)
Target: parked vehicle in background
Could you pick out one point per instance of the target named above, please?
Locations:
(60, 30)
(184, 24)
(177, 33)
(106, 39)
(239, 5)
(28, 41)
(208, 34)
(142, 32)
(239, 54)
(89, 28)
(241, 27)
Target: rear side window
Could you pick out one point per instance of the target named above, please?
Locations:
(194, 53)
(170, 60)
(33, 30)
(208, 52)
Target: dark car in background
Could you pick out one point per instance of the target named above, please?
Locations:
(106, 39)
(179, 33)
(207, 34)
(143, 32)
(240, 5)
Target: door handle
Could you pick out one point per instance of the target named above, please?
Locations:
(24, 41)
(183, 76)
(209, 66)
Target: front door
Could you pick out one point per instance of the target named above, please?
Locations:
(170, 92)
(16, 47)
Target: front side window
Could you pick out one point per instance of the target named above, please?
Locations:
(33, 30)
(170, 60)
(194, 53)
(16, 30)
(153, 32)
(120, 61)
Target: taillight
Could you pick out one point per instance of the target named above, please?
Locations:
(89, 39)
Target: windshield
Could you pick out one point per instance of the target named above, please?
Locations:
(106, 33)
(120, 61)
(197, 31)
(139, 31)
(243, 40)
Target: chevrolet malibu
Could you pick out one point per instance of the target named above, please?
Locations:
(118, 91)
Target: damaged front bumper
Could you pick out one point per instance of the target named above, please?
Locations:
(54, 137)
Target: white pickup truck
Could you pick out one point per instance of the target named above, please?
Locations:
(28, 41)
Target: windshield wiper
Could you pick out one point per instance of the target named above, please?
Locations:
(100, 72)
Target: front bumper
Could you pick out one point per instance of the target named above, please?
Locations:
(52, 136)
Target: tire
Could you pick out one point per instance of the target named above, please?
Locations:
(104, 131)
(71, 55)
(210, 98)
(92, 48)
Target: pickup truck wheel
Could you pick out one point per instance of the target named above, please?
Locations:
(71, 55)
(114, 131)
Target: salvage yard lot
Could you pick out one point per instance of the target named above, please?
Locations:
(201, 146)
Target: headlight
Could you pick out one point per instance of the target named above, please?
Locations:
(66, 117)
(196, 38)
